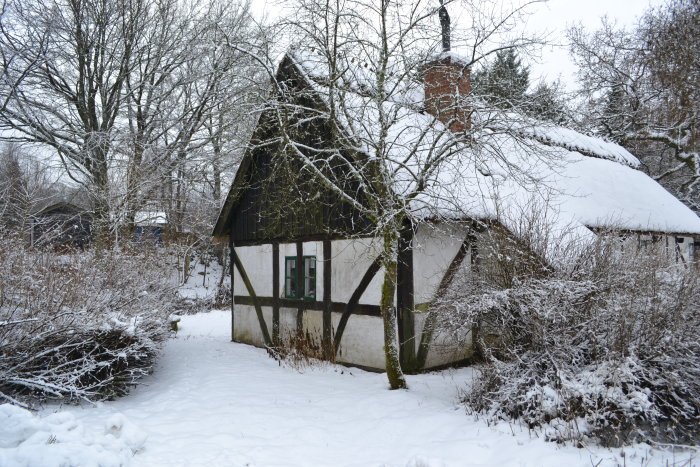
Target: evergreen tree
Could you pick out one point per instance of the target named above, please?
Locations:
(545, 102)
(13, 188)
(504, 81)
(617, 117)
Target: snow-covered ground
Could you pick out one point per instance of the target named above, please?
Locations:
(202, 281)
(212, 402)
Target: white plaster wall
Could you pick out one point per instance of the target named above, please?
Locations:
(238, 285)
(373, 294)
(687, 249)
(434, 247)
(313, 325)
(288, 324)
(444, 349)
(363, 341)
(287, 249)
(246, 327)
(257, 261)
(667, 245)
(694, 250)
(350, 260)
(683, 252)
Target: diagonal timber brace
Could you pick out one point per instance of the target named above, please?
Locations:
(251, 293)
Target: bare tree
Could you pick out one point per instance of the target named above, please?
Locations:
(17, 60)
(186, 102)
(71, 99)
(121, 92)
(214, 105)
(642, 91)
(26, 185)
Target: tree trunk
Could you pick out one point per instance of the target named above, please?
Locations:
(391, 345)
(100, 225)
(133, 180)
(101, 222)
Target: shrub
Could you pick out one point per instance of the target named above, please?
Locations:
(79, 325)
(604, 346)
(299, 350)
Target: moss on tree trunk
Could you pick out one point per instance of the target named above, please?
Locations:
(391, 347)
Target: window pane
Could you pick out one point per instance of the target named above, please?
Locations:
(310, 283)
(290, 282)
(310, 277)
(310, 267)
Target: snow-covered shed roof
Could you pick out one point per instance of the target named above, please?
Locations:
(150, 218)
(510, 163)
(60, 203)
(62, 206)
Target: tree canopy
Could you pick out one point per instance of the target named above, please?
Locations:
(642, 90)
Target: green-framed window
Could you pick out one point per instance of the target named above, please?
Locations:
(307, 289)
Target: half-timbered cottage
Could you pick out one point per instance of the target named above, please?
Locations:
(304, 261)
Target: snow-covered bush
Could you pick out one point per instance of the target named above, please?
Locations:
(79, 325)
(606, 345)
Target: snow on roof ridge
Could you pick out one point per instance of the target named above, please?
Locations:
(588, 145)
(302, 58)
(306, 59)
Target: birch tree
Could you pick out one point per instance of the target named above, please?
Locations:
(364, 60)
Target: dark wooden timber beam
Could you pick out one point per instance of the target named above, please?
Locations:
(276, 293)
(251, 293)
(300, 286)
(302, 238)
(404, 301)
(336, 307)
(327, 323)
(231, 272)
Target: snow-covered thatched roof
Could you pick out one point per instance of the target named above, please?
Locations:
(509, 164)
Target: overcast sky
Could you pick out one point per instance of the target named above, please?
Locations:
(554, 16)
(558, 15)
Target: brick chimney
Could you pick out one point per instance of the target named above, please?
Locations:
(447, 84)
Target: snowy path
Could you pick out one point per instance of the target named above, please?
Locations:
(213, 403)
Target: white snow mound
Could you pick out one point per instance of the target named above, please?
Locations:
(60, 439)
